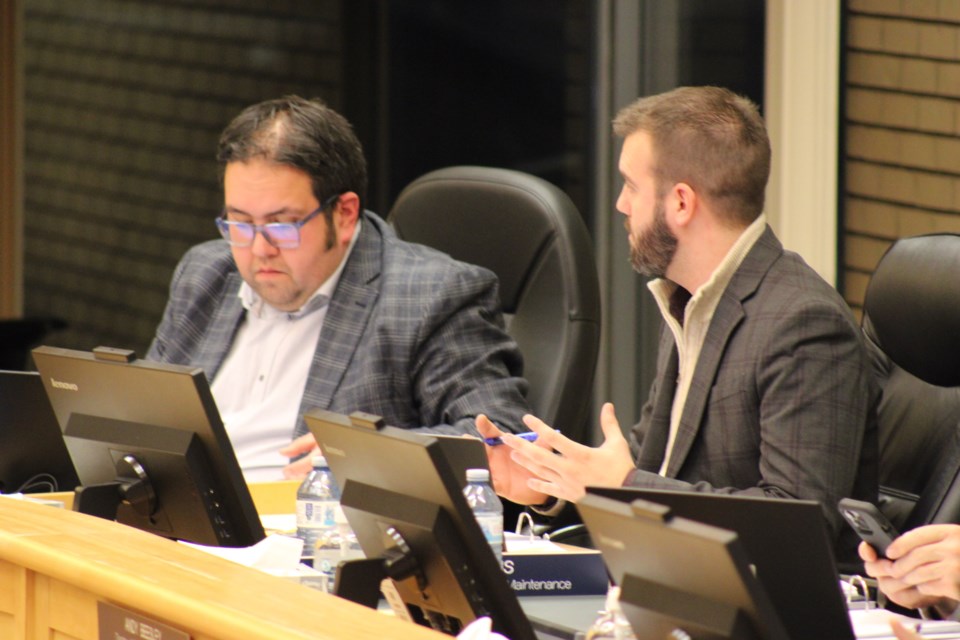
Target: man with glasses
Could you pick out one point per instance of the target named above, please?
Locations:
(311, 302)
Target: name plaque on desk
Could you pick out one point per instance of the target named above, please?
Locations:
(537, 567)
(117, 623)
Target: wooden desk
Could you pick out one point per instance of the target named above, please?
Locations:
(55, 565)
(268, 497)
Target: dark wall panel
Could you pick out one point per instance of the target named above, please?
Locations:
(123, 105)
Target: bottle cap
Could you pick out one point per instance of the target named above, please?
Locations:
(319, 461)
(478, 475)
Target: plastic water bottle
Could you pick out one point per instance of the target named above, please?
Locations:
(335, 545)
(318, 499)
(487, 508)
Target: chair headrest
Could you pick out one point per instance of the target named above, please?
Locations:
(912, 307)
(505, 220)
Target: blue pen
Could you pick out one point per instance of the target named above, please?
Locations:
(529, 436)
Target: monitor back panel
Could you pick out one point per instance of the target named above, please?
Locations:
(676, 573)
(786, 541)
(32, 450)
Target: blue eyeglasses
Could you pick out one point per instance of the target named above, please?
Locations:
(282, 235)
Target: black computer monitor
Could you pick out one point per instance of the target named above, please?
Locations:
(788, 546)
(676, 573)
(33, 456)
(403, 498)
(148, 445)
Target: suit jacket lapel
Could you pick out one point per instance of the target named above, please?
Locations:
(350, 309)
(223, 326)
(655, 439)
(727, 316)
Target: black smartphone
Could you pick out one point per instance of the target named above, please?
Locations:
(869, 523)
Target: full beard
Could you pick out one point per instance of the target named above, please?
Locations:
(652, 251)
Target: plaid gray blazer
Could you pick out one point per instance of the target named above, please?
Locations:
(410, 335)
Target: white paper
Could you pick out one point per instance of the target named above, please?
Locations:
(480, 629)
(875, 624)
(274, 554)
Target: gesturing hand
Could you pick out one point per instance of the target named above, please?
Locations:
(572, 467)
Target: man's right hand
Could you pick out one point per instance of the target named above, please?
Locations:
(509, 478)
(923, 569)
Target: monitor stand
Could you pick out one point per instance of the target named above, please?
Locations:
(132, 487)
(359, 580)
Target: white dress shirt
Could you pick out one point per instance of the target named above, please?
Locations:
(259, 387)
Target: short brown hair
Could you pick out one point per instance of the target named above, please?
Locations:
(304, 134)
(710, 138)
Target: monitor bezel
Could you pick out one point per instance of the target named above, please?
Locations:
(166, 396)
(669, 556)
(33, 455)
(416, 467)
(766, 526)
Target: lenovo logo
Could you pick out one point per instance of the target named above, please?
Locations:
(66, 386)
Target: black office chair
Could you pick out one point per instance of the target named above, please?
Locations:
(912, 322)
(530, 234)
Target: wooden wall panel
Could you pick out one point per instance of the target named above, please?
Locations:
(901, 129)
(10, 192)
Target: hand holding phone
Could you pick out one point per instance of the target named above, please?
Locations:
(869, 523)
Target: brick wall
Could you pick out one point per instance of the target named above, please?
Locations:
(901, 159)
(124, 102)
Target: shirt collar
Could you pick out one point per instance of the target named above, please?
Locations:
(666, 292)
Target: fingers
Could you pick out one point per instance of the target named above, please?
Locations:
(564, 468)
(301, 445)
(939, 577)
(537, 460)
(609, 423)
(545, 433)
(486, 427)
(926, 551)
(926, 535)
(867, 553)
(299, 469)
(901, 632)
(879, 568)
(558, 485)
(548, 438)
(305, 444)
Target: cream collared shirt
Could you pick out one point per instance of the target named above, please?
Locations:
(697, 316)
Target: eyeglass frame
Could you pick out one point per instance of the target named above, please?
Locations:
(223, 225)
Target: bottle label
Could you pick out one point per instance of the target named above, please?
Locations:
(316, 513)
(492, 526)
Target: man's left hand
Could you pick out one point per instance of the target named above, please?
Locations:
(299, 469)
(563, 468)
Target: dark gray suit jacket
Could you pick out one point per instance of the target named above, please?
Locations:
(410, 335)
(782, 401)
